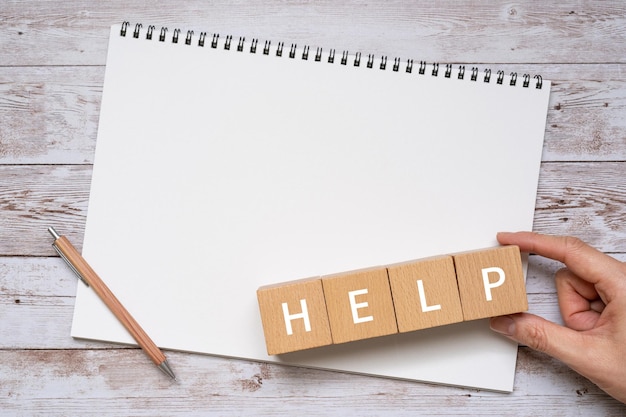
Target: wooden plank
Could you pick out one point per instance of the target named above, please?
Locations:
(44, 322)
(49, 115)
(31, 322)
(86, 382)
(34, 197)
(35, 277)
(50, 277)
(41, 320)
(585, 116)
(583, 199)
(36, 322)
(75, 32)
(51, 70)
(37, 301)
(37, 304)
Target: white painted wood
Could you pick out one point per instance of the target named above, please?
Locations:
(586, 199)
(71, 32)
(52, 57)
(49, 115)
(89, 382)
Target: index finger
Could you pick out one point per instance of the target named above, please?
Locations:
(583, 260)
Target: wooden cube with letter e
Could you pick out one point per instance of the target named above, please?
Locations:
(491, 282)
(359, 304)
(294, 316)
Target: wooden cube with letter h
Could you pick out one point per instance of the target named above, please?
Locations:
(294, 316)
(491, 282)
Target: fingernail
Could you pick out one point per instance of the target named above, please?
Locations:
(502, 236)
(504, 325)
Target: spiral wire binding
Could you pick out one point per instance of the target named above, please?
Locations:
(345, 56)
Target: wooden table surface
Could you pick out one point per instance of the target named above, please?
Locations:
(52, 57)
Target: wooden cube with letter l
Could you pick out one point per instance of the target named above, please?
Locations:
(491, 282)
(425, 293)
(294, 316)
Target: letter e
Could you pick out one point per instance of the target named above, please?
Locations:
(355, 306)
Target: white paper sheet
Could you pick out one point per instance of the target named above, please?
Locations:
(219, 171)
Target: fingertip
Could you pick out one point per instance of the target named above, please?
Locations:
(512, 238)
(526, 241)
(503, 237)
(504, 325)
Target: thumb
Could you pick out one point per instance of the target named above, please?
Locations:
(545, 336)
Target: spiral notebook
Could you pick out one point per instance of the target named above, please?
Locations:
(225, 163)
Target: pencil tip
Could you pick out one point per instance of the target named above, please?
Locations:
(53, 232)
(165, 367)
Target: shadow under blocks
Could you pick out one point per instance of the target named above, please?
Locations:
(396, 298)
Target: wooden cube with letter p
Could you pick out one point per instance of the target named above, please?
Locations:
(491, 282)
(294, 316)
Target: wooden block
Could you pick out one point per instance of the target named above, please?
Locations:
(294, 316)
(491, 282)
(359, 305)
(425, 293)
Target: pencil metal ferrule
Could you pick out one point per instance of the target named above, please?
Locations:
(67, 261)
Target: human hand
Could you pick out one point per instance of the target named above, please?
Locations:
(591, 291)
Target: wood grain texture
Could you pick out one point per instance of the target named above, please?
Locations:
(54, 118)
(34, 197)
(83, 379)
(38, 293)
(425, 293)
(49, 115)
(491, 282)
(52, 57)
(294, 316)
(95, 382)
(72, 33)
(359, 304)
(585, 199)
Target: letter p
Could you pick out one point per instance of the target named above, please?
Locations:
(489, 285)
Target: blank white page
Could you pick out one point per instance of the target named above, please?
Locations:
(218, 171)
